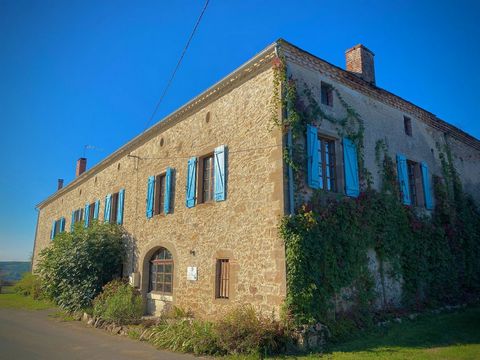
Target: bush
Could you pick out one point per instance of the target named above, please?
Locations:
(244, 331)
(186, 335)
(29, 285)
(241, 331)
(75, 267)
(119, 302)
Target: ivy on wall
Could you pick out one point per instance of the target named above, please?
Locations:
(435, 257)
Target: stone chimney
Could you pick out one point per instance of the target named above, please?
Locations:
(81, 166)
(360, 62)
(60, 184)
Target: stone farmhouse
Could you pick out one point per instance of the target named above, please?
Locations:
(202, 192)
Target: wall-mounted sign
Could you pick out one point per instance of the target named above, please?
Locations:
(192, 273)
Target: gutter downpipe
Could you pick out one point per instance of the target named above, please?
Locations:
(291, 200)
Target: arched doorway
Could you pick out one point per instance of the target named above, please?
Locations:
(160, 286)
(160, 278)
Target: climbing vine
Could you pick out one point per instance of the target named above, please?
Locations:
(331, 245)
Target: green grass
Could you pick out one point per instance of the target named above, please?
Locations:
(445, 336)
(9, 300)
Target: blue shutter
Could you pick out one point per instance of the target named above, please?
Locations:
(87, 214)
(313, 174)
(150, 194)
(350, 165)
(73, 221)
(426, 186)
(108, 206)
(402, 173)
(168, 187)
(220, 180)
(62, 224)
(191, 182)
(121, 200)
(96, 210)
(52, 233)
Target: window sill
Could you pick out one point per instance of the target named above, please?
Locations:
(159, 296)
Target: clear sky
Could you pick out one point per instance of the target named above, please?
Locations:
(90, 72)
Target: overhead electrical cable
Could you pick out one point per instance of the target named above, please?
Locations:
(169, 83)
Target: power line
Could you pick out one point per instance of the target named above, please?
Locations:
(177, 66)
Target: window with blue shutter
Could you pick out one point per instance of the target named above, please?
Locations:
(350, 163)
(87, 215)
(168, 190)
(72, 224)
(62, 224)
(220, 180)
(313, 160)
(52, 232)
(96, 210)
(402, 173)
(191, 182)
(427, 193)
(149, 199)
(108, 207)
(121, 200)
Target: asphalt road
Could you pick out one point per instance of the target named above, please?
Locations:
(34, 335)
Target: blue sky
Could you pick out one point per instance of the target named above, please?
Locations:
(90, 72)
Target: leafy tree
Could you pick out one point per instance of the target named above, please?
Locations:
(78, 264)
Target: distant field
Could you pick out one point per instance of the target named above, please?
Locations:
(12, 271)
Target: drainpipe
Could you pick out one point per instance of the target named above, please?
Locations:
(291, 200)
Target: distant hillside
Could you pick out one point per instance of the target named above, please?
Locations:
(13, 270)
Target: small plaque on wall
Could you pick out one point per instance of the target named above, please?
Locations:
(192, 273)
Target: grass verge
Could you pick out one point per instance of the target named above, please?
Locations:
(10, 300)
(453, 336)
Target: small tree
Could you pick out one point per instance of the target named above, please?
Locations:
(75, 267)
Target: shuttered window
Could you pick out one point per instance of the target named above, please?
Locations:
(159, 193)
(327, 164)
(222, 279)
(212, 176)
(113, 209)
(159, 197)
(77, 216)
(91, 213)
(161, 272)
(58, 226)
(207, 179)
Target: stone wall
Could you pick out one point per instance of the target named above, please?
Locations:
(382, 121)
(242, 228)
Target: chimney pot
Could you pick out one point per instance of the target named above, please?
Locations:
(360, 62)
(60, 184)
(81, 166)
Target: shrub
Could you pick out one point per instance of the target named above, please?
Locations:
(186, 335)
(244, 331)
(29, 285)
(119, 302)
(77, 264)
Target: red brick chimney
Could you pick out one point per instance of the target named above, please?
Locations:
(360, 62)
(60, 184)
(81, 166)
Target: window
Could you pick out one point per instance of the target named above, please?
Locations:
(58, 227)
(159, 196)
(327, 167)
(91, 213)
(326, 94)
(114, 209)
(77, 216)
(161, 272)
(407, 124)
(415, 183)
(222, 279)
(206, 179)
